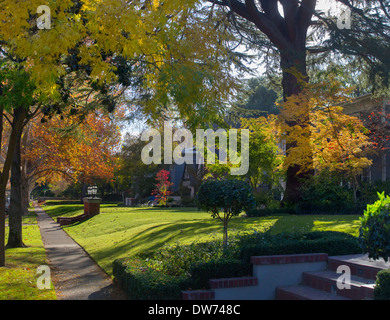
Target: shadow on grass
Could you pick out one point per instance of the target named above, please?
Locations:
(63, 211)
(25, 256)
(147, 241)
(307, 223)
(144, 243)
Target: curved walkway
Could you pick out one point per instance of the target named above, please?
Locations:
(74, 274)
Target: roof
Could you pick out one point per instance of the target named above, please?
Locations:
(363, 103)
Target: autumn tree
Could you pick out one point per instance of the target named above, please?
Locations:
(142, 50)
(291, 35)
(377, 124)
(338, 142)
(81, 151)
(163, 184)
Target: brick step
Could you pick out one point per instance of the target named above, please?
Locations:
(359, 265)
(215, 284)
(302, 292)
(360, 288)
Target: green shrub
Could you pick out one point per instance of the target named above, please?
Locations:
(142, 282)
(178, 267)
(375, 229)
(187, 201)
(255, 212)
(268, 212)
(269, 199)
(330, 242)
(382, 285)
(368, 192)
(325, 194)
(202, 272)
(224, 199)
(177, 259)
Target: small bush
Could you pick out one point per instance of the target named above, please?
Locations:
(187, 201)
(269, 199)
(382, 285)
(268, 212)
(177, 259)
(255, 212)
(375, 229)
(224, 199)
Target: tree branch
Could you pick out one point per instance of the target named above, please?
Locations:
(32, 177)
(250, 12)
(318, 49)
(290, 9)
(305, 13)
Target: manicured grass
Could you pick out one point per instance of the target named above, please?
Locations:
(120, 232)
(19, 276)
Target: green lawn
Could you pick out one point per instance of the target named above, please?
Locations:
(19, 276)
(119, 232)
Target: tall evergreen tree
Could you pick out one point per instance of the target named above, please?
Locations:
(289, 33)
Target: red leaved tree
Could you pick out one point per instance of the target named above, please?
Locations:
(162, 187)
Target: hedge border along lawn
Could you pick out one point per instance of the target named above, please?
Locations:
(140, 282)
(144, 279)
(18, 279)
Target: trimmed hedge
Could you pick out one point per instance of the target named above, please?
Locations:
(162, 277)
(268, 212)
(141, 282)
(202, 272)
(331, 242)
(382, 287)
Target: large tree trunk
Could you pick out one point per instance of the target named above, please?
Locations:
(26, 191)
(20, 115)
(15, 238)
(293, 64)
(25, 167)
(288, 33)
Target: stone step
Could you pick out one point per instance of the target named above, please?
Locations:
(360, 265)
(302, 292)
(359, 288)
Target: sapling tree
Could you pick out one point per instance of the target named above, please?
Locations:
(162, 187)
(225, 199)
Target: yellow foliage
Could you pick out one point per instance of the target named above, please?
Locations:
(319, 135)
(171, 39)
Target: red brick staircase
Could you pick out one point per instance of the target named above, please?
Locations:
(322, 285)
(311, 277)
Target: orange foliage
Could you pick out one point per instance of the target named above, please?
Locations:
(65, 147)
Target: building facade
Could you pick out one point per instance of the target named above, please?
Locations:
(364, 107)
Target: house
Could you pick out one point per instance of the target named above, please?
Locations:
(361, 107)
(187, 176)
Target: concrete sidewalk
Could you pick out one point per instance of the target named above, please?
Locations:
(74, 274)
